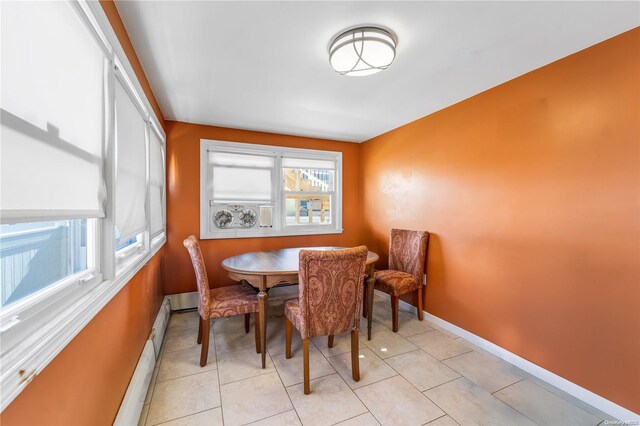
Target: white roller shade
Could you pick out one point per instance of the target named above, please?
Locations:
(131, 186)
(307, 163)
(52, 78)
(156, 183)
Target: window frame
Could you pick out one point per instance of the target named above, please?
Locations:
(279, 228)
(35, 329)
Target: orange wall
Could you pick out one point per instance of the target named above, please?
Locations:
(85, 383)
(183, 202)
(531, 191)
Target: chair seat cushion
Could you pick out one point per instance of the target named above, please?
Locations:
(232, 300)
(293, 312)
(394, 282)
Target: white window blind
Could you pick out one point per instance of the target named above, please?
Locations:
(241, 177)
(156, 183)
(131, 186)
(307, 163)
(52, 114)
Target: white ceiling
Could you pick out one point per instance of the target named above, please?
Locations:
(264, 65)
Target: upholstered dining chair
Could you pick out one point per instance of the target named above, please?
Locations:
(329, 302)
(219, 302)
(407, 255)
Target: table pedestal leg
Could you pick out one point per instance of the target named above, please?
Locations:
(262, 306)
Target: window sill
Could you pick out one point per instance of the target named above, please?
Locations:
(57, 326)
(266, 233)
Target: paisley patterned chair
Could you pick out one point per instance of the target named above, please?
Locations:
(219, 302)
(330, 301)
(407, 255)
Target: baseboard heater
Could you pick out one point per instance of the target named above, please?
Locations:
(131, 407)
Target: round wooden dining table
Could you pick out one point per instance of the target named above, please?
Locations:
(266, 269)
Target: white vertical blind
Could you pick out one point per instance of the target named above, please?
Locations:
(131, 186)
(156, 183)
(52, 118)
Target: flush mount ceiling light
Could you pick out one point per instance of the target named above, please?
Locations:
(362, 51)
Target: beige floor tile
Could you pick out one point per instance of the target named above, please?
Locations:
(329, 402)
(240, 365)
(289, 418)
(253, 399)
(442, 330)
(180, 338)
(232, 323)
(422, 370)
(234, 340)
(375, 326)
(152, 384)
(443, 421)
(291, 370)
(395, 401)
(385, 343)
(372, 368)
(185, 362)
(564, 395)
(341, 344)
(276, 336)
(469, 404)
(143, 415)
(183, 320)
(365, 419)
(543, 407)
(205, 418)
(409, 325)
(439, 345)
(489, 374)
(184, 396)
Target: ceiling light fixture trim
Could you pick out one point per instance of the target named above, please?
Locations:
(362, 51)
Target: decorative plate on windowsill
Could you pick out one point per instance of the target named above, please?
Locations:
(248, 218)
(222, 218)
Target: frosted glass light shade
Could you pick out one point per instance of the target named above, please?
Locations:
(362, 51)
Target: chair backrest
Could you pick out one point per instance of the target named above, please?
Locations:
(331, 286)
(408, 251)
(191, 243)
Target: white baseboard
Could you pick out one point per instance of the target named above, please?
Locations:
(578, 392)
(160, 325)
(131, 407)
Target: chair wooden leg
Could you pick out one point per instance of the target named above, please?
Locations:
(355, 356)
(200, 329)
(247, 322)
(305, 364)
(204, 351)
(330, 341)
(394, 312)
(370, 287)
(257, 326)
(288, 339)
(420, 303)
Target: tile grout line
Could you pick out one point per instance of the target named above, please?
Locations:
(215, 350)
(504, 387)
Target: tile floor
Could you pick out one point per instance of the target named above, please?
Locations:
(421, 375)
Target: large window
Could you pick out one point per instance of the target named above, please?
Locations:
(255, 190)
(82, 179)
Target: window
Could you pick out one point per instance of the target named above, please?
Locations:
(255, 190)
(82, 179)
(35, 255)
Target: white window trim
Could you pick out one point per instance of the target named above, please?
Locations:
(59, 312)
(279, 228)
